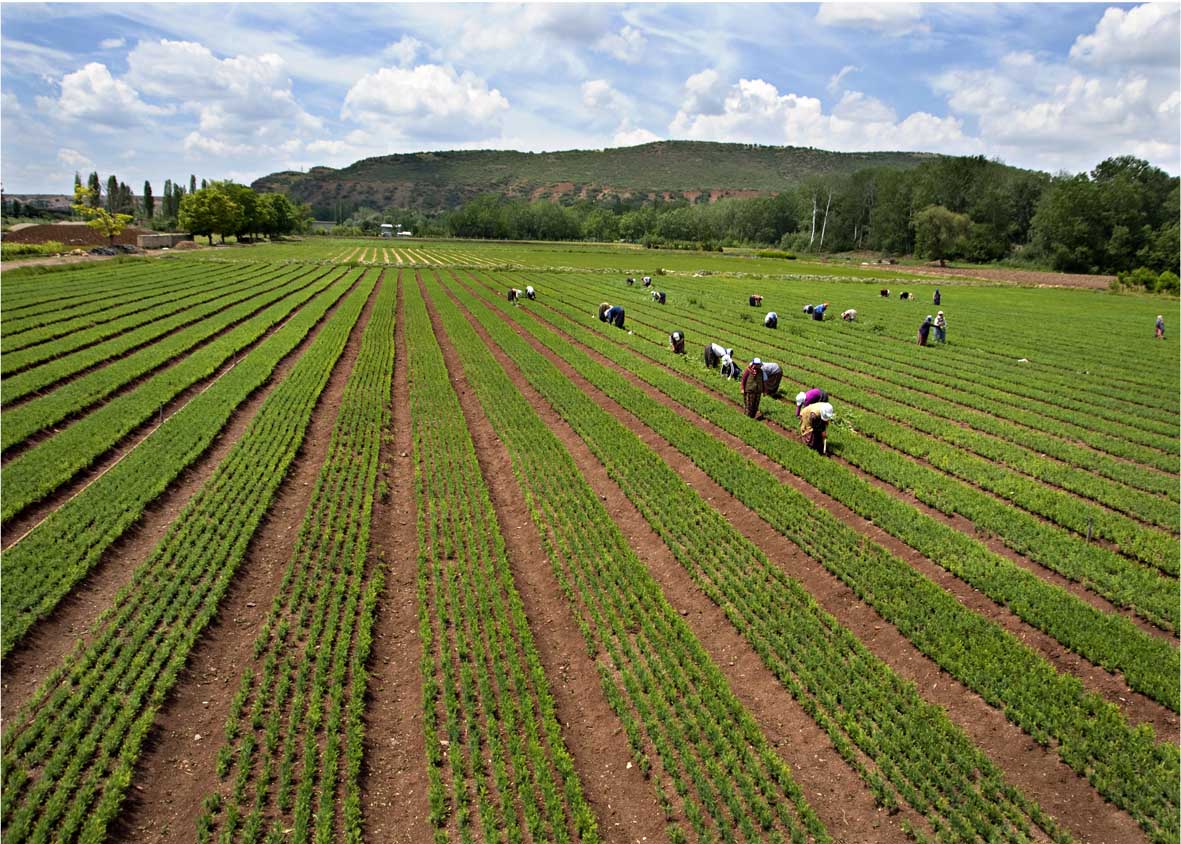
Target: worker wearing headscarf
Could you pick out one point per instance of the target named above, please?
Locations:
(752, 387)
(810, 397)
(771, 320)
(1160, 326)
(677, 341)
(614, 316)
(530, 292)
(814, 421)
(603, 308)
(849, 315)
(659, 297)
(818, 311)
(937, 298)
(714, 354)
(772, 378)
(513, 295)
(925, 330)
(940, 327)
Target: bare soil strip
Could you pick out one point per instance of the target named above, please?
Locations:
(1035, 770)
(624, 804)
(1138, 707)
(178, 766)
(834, 790)
(393, 775)
(71, 623)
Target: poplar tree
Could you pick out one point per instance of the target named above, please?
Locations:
(149, 201)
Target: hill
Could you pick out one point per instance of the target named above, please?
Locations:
(693, 170)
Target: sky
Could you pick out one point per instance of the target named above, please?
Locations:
(154, 91)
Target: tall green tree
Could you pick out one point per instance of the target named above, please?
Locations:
(112, 203)
(109, 224)
(94, 197)
(149, 201)
(192, 183)
(939, 233)
(209, 212)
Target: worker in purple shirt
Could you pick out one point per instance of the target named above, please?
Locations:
(811, 397)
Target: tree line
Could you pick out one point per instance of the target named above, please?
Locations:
(1121, 216)
(220, 208)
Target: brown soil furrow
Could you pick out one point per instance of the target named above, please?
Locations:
(176, 769)
(71, 623)
(1034, 769)
(393, 776)
(1138, 707)
(33, 515)
(833, 789)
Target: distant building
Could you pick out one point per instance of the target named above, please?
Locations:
(405, 233)
(387, 229)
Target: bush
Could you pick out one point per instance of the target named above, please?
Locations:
(1168, 282)
(9, 251)
(776, 253)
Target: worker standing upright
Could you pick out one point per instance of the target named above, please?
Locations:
(941, 327)
(925, 330)
(937, 298)
(814, 421)
(1160, 326)
(752, 387)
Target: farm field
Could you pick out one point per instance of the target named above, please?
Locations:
(329, 541)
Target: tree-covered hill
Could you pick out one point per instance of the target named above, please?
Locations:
(669, 170)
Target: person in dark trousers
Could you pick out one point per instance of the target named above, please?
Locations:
(530, 292)
(938, 298)
(884, 293)
(603, 308)
(729, 368)
(658, 297)
(818, 311)
(614, 316)
(808, 309)
(903, 295)
(755, 300)
(771, 320)
(940, 327)
(677, 341)
(647, 281)
(925, 330)
(1160, 326)
(814, 421)
(752, 387)
(714, 354)
(513, 295)
(630, 281)
(811, 397)
(772, 378)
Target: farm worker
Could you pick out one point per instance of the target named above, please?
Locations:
(647, 281)
(1160, 326)
(772, 377)
(940, 327)
(814, 421)
(530, 292)
(884, 293)
(513, 295)
(658, 296)
(809, 308)
(925, 330)
(630, 281)
(614, 315)
(729, 368)
(938, 298)
(903, 295)
(755, 300)
(811, 397)
(771, 320)
(603, 308)
(714, 354)
(818, 311)
(851, 315)
(752, 387)
(677, 341)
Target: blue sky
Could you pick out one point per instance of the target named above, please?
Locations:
(155, 91)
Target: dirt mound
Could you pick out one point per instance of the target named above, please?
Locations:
(70, 234)
(187, 244)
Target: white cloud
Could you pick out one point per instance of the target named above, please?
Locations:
(834, 84)
(598, 94)
(91, 94)
(627, 45)
(1145, 35)
(73, 158)
(892, 19)
(408, 48)
(200, 144)
(629, 136)
(705, 93)
(428, 101)
(112, 43)
(755, 110)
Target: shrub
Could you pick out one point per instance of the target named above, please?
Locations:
(28, 250)
(776, 253)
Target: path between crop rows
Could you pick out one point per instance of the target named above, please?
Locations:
(835, 792)
(1037, 771)
(393, 775)
(624, 804)
(1138, 707)
(73, 620)
(177, 769)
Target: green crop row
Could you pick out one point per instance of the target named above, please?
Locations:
(40, 569)
(75, 397)
(69, 755)
(314, 645)
(1125, 764)
(53, 325)
(37, 472)
(1137, 541)
(33, 296)
(490, 723)
(686, 729)
(1105, 639)
(50, 372)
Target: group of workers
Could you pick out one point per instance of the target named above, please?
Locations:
(515, 294)
(939, 323)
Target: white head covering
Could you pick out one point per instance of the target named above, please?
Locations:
(756, 362)
(800, 397)
(826, 411)
(529, 289)
(729, 353)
